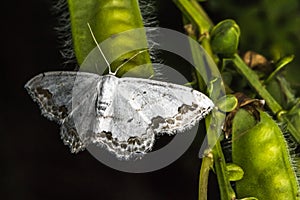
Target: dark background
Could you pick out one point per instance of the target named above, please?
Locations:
(34, 162)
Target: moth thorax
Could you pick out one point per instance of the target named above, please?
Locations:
(106, 89)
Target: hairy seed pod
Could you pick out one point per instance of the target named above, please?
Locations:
(108, 18)
(260, 149)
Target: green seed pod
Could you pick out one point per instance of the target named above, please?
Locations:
(225, 37)
(260, 149)
(108, 18)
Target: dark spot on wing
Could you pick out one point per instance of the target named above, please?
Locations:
(194, 105)
(70, 137)
(101, 106)
(148, 143)
(185, 109)
(170, 121)
(156, 121)
(102, 134)
(142, 148)
(54, 108)
(132, 140)
(123, 146)
(63, 110)
(46, 93)
(115, 143)
(178, 117)
(49, 108)
(72, 132)
(108, 135)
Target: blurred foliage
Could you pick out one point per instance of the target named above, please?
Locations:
(271, 28)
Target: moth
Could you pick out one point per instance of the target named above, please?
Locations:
(121, 114)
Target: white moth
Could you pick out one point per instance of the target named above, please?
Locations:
(121, 114)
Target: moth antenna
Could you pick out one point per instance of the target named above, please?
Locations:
(119, 67)
(98, 46)
(132, 57)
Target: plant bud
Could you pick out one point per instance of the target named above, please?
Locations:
(225, 37)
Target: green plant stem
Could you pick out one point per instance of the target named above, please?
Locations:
(212, 122)
(213, 126)
(192, 13)
(207, 163)
(263, 93)
(196, 15)
(206, 45)
(226, 191)
(203, 14)
(255, 83)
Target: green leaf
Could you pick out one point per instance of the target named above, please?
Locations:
(280, 65)
(227, 103)
(235, 172)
